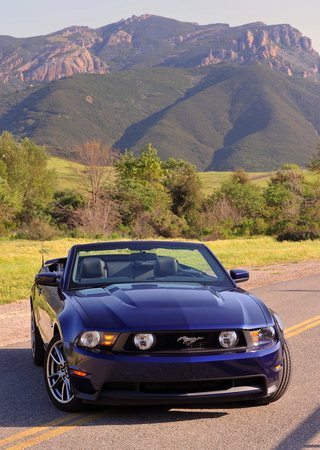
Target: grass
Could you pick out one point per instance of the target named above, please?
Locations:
(210, 180)
(67, 178)
(263, 251)
(66, 175)
(20, 260)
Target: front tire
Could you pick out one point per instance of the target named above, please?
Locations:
(57, 380)
(284, 382)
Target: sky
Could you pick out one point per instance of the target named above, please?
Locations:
(25, 18)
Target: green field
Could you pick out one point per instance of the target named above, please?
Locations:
(210, 180)
(213, 180)
(21, 259)
(66, 174)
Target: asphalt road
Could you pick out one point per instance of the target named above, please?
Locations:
(29, 420)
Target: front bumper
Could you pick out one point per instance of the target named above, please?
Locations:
(144, 379)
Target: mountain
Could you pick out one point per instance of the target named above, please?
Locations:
(149, 41)
(217, 96)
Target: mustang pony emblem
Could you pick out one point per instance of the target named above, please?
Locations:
(189, 340)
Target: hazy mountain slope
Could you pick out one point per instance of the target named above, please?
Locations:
(246, 117)
(218, 117)
(65, 113)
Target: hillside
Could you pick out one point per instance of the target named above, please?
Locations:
(219, 97)
(217, 117)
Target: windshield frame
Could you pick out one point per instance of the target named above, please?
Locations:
(222, 277)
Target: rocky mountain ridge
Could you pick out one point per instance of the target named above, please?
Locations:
(151, 41)
(265, 45)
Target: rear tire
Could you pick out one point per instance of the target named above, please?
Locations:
(37, 348)
(284, 382)
(57, 380)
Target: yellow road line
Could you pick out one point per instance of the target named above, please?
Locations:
(294, 327)
(55, 432)
(301, 328)
(36, 430)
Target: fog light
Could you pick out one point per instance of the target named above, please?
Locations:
(228, 339)
(144, 341)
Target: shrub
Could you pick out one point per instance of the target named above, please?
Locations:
(290, 167)
(295, 235)
(37, 230)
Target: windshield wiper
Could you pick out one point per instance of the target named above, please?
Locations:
(94, 286)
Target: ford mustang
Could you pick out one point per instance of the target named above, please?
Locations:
(120, 323)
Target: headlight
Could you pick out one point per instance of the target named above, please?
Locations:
(228, 339)
(263, 336)
(144, 341)
(93, 339)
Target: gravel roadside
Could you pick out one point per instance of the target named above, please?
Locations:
(15, 317)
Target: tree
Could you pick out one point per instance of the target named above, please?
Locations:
(144, 196)
(293, 206)
(138, 188)
(64, 207)
(23, 169)
(242, 195)
(184, 187)
(314, 164)
(173, 165)
(99, 220)
(97, 216)
(145, 169)
(241, 176)
(236, 208)
(96, 160)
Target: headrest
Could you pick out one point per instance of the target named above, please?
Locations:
(165, 266)
(92, 268)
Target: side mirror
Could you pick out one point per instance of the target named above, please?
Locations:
(239, 275)
(47, 279)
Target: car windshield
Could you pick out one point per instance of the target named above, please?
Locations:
(105, 264)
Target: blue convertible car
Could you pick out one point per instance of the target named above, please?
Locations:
(150, 322)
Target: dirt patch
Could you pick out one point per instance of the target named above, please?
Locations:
(14, 322)
(15, 317)
(262, 276)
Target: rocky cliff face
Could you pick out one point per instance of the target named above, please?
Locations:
(62, 62)
(270, 45)
(150, 41)
(58, 58)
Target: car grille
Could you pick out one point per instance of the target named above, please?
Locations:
(171, 342)
(183, 387)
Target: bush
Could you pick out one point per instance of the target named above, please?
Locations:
(251, 227)
(296, 235)
(97, 221)
(37, 230)
(157, 223)
(290, 167)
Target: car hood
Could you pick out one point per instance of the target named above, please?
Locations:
(164, 306)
